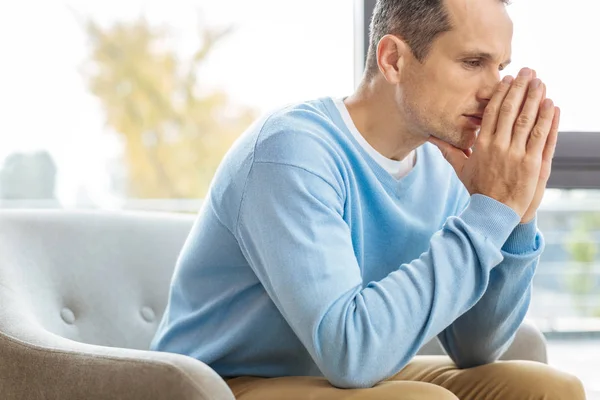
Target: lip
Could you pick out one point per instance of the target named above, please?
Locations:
(474, 119)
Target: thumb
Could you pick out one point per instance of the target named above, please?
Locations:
(455, 156)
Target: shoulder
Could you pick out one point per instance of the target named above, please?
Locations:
(304, 136)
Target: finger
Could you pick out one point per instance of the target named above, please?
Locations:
(509, 111)
(544, 93)
(456, 157)
(528, 116)
(543, 86)
(541, 130)
(490, 115)
(533, 76)
(542, 99)
(550, 147)
(552, 136)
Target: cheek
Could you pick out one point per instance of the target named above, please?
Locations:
(458, 101)
(444, 105)
(436, 97)
(454, 91)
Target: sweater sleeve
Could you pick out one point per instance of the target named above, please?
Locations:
(291, 230)
(484, 332)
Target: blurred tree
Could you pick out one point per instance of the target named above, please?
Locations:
(583, 248)
(174, 135)
(28, 176)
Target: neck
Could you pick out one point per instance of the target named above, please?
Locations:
(374, 112)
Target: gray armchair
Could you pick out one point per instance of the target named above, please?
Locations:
(81, 295)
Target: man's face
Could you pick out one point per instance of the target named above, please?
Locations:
(458, 77)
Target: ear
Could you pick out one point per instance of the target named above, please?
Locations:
(391, 53)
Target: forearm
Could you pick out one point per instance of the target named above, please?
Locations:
(348, 327)
(484, 332)
(359, 333)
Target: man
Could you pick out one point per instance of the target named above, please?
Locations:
(336, 239)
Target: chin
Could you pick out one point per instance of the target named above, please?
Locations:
(468, 139)
(458, 136)
(463, 143)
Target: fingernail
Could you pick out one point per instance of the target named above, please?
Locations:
(535, 83)
(508, 79)
(525, 72)
(547, 104)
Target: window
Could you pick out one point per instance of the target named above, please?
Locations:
(555, 39)
(566, 286)
(99, 105)
(552, 38)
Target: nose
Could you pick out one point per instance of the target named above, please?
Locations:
(487, 87)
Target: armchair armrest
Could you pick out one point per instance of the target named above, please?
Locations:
(529, 344)
(52, 367)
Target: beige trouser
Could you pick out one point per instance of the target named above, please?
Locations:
(427, 378)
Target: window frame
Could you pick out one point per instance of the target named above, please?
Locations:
(577, 159)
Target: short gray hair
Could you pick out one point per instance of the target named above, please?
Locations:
(417, 22)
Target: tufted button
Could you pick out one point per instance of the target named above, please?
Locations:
(67, 316)
(148, 314)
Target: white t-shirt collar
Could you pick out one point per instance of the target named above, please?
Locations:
(398, 169)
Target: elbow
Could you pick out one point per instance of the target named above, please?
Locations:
(359, 373)
(475, 360)
(477, 351)
(477, 356)
(345, 380)
(349, 350)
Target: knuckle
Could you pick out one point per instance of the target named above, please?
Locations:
(507, 108)
(523, 121)
(532, 161)
(534, 93)
(503, 88)
(517, 155)
(490, 111)
(520, 84)
(482, 142)
(497, 146)
(547, 113)
(538, 132)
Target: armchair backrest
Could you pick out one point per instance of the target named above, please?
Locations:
(94, 277)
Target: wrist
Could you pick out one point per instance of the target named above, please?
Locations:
(527, 218)
(524, 239)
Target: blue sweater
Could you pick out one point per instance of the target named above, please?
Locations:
(308, 258)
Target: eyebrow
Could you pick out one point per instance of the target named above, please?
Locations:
(482, 54)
